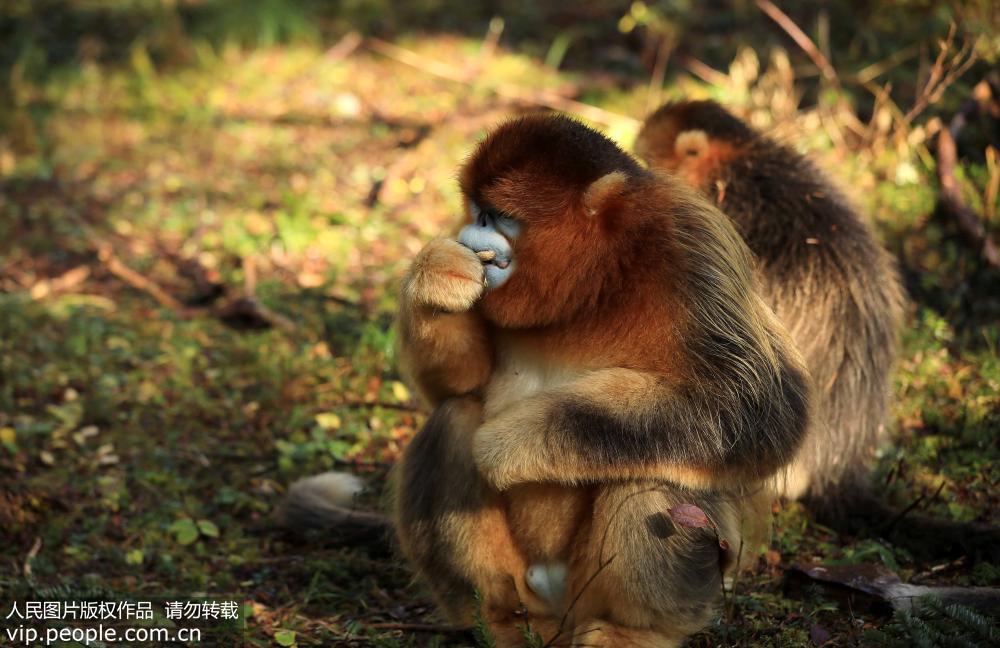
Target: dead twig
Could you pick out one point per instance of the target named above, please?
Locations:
(951, 193)
(242, 312)
(914, 504)
(845, 112)
(248, 312)
(802, 40)
(116, 267)
(576, 599)
(36, 546)
(344, 47)
(877, 69)
(705, 72)
(944, 72)
(655, 90)
(245, 311)
(63, 282)
(992, 184)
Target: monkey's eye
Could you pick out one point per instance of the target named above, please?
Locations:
(692, 152)
(487, 216)
(501, 217)
(506, 224)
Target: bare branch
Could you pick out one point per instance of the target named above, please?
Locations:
(66, 281)
(801, 39)
(705, 72)
(116, 267)
(344, 48)
(655, 90)
(951, 193)
(944, 72)
(36, 546)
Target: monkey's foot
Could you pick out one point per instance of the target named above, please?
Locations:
(548, 582)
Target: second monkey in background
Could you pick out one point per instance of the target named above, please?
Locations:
(821, 268)
(838, 293)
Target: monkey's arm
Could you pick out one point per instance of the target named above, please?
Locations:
(719, 428)
(444, 348)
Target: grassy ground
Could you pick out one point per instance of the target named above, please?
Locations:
(144, 446)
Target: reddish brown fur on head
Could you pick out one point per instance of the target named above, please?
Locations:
(692, 139)
(570, 189)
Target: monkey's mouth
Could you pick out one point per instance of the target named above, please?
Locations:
(493, 250)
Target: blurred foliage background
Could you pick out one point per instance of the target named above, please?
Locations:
(205, 207)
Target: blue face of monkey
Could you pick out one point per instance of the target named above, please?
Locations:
(492, 231)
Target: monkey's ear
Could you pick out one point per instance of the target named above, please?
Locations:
(602, 189)
(691, 143)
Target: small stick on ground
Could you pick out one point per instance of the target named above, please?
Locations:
(914, 504)
(63, 282)
(344, 48)
(36, 546)
(244, 311)
(248, 312)
(137, 281)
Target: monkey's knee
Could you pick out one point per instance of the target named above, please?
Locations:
(646, 572)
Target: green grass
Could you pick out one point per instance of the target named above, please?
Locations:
(144, 449)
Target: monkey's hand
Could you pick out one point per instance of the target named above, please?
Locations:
(446, 275)
(444, 346)
(623, 424)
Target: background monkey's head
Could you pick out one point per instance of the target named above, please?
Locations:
(692, 139)
(549, 198)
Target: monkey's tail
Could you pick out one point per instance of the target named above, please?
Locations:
(328, 502)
